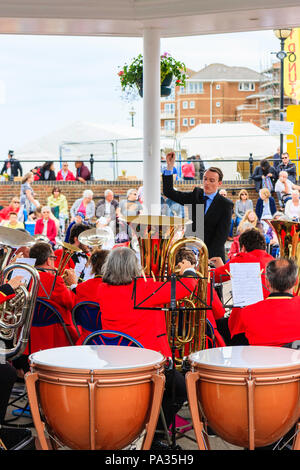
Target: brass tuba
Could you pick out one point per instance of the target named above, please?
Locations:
(155, 238)
(190, 327)
(16, 314)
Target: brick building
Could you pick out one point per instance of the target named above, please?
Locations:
(215, 94)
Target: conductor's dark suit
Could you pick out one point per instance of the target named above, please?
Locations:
(216, 220)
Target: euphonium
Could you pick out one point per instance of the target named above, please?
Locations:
(67, 251)
(16, 314)
(190, 327)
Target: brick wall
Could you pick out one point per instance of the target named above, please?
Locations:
(74, 190)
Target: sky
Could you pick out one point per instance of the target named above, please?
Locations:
(48, 82)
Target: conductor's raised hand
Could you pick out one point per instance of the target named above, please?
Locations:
(170, 159)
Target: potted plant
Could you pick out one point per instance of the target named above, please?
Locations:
(131, 75)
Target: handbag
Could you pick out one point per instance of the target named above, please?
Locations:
(267, 183)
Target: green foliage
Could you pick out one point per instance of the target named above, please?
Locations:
(131, 76)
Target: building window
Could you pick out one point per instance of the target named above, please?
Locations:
(169, 124)
(185, 104)
(218, 104)
(192, 88)
(218, 86)
(185, 122)
(169, 107)
(246, 86)
(192, 121)
(192, 104)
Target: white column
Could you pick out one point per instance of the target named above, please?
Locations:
(151, 113)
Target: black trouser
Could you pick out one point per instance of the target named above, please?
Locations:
(8, 376)
(170, 408)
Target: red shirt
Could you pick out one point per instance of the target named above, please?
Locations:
(147, 326)
(274, 321)
(69, 177)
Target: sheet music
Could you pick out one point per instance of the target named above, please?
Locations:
(22, 272)
(246, 284)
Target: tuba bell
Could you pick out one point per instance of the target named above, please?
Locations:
(16, 314)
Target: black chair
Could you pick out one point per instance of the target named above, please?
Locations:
(87, 315)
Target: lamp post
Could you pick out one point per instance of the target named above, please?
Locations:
(282, 35)
(132, 114)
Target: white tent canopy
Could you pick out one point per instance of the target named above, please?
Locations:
(229, 141)
(79, 140)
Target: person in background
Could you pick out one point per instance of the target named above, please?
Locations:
(83, 174)
(235, 245)
(252, 218)
(288, 166)
(13, 222)
(85, 205)
(58, 202)
(14, 206)
(188, 171)
(131, 205)
(27, 200)
(272, 236)
(265, 207)
(46, 226)
(65, 174)
(276, 159)
(199, 167)
(292, 207)
(12, 167)
(284, 187)
(109, 209)
(242, 205)
(47, 172)
(78, 219)
(264, 175)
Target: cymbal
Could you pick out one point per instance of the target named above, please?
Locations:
(15, 238)
(160, 220)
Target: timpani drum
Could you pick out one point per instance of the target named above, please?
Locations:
(95, 397)
(249, 395)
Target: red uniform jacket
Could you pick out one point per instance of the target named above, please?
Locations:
(63, 299)
(147, 326)
(88, 290)
(6, 293)
(51, 229)
(274, 321)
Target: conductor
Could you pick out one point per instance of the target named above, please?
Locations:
(217, 209)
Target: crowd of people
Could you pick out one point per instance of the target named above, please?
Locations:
(112, 275)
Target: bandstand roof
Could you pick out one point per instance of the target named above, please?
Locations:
(173, 18)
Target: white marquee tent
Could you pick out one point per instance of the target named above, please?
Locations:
(229, 141)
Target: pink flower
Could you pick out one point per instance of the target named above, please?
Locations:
(121, 73)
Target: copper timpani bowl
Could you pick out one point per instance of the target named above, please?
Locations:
(249, 395)
(95, 397)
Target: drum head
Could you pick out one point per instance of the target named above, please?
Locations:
(97, 357)
(247, 357)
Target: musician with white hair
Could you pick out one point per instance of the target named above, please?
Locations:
(85, 205)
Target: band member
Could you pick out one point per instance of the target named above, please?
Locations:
(120, 270)
(80, 259)
(53, 290)
(275, 320)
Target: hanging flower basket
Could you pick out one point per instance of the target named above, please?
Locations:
(131, 76)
